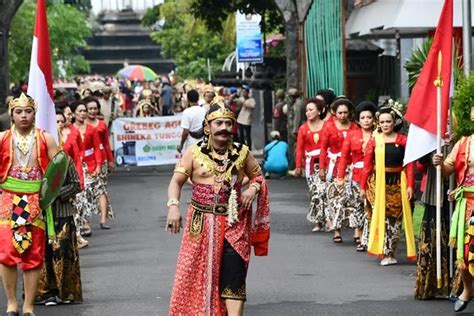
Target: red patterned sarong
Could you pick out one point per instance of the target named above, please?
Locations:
(196, 285)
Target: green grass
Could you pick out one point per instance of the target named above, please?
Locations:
(417, 218)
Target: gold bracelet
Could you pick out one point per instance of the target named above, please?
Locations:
(256, 186)
(182, 170)
(449, 162)
(172, 201)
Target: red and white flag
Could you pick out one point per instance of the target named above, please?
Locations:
(421, 108)
(40, 81)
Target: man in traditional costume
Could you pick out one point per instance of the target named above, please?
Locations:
(25, 152)
(461, 235)
(215, 249)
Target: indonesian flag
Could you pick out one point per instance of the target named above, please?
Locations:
(421, 109)
(40, 81)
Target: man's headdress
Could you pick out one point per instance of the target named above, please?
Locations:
(23, 100)
(218, 109)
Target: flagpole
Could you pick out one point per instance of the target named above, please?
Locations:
(438, 84)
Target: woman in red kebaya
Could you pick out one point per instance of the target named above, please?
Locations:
(71, 142)
(334, 133)
(92, 160)
(307, 158)
(107, 164)
(351, 212)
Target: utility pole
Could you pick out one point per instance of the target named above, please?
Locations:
(466, 36)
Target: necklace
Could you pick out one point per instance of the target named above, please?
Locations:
(23, 145)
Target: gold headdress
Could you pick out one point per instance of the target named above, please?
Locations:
(22, 100)
(221, 112)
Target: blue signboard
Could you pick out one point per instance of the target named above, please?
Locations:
(249, 38)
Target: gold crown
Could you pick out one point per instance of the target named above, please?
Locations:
(222, 112)
(22, 100)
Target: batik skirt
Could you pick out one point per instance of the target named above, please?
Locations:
(426, 279)
(345, 207)
(317, 190)
(393, 217)
(61, 275)
(95, 186)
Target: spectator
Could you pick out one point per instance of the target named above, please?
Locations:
(245, 117)
(192, 122)
(166, 96)
(279, 117)
(275, 156)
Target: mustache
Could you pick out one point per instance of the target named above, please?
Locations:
(223, 132)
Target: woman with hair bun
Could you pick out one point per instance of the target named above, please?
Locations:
(334, 133)
(394, 184)
(308, 149)
(351, 207)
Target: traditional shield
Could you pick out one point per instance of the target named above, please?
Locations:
(53, 179)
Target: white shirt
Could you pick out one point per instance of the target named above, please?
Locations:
(192, 120)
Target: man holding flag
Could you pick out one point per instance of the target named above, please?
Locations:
(25, 152)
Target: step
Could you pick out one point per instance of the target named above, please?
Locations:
(120, 39)
(113, 28)
(123, 52)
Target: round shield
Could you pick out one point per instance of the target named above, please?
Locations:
(53, 179)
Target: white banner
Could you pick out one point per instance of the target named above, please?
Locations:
(147, 141)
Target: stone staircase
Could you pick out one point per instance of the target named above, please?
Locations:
(121, 39)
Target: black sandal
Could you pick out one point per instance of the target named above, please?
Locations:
(357, 240)
(360, 248)
(337, 239)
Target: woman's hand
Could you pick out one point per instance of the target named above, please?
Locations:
(322, 175)
(340, 182)
(438, 159)
(298, 172)
(111, 166)
(363, 194)
(410, 194)
(173, 222)
(247, 197)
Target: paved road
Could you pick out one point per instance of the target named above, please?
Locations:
(129, 269)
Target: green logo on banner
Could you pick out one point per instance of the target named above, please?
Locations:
(146, 149)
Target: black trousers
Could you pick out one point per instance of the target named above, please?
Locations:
(244, 135)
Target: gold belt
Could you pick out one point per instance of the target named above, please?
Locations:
(217, 209)
(393, 169)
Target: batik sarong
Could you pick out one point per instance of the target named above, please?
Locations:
(345, 207)
(61, 275)
(317, 191)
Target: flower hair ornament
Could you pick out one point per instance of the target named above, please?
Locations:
(394, 108)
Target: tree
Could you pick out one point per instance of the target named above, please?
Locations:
(8, 9)
(187, 40)
(278, 15)
(68, 31)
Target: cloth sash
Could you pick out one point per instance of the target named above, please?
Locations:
(309, 157)
(458, 222)
(29, 187)
(332, 163)
(377, 225)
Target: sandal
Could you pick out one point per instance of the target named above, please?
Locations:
(357, 240)
(360, 248)
(337, 239)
